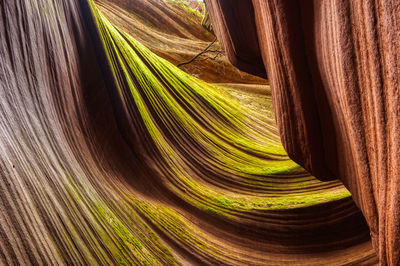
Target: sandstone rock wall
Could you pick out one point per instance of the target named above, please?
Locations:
(334, 71)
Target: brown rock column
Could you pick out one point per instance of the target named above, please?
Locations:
(334, 71)
(236, 29)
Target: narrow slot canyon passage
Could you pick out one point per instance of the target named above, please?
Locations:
(183, 132)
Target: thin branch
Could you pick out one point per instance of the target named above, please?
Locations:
(211, 58)
(199, 54)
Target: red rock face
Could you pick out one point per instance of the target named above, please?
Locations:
(334, 70)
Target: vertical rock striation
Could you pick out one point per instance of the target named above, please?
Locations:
(334, 73)
(112, 155)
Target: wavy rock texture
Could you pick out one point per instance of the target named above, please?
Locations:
(172, 30)
(334, 73)
(112, 155)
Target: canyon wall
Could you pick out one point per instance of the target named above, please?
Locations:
(333, 67)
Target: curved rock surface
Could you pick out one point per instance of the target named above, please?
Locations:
(172, 30)
(112, 155)
(334, 72)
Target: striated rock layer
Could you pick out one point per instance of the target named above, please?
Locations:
(172, 30)
(334, 69)
(112, 155)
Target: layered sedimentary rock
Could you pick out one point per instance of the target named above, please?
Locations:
(112, 155)
(334, 73)
(171, 29)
